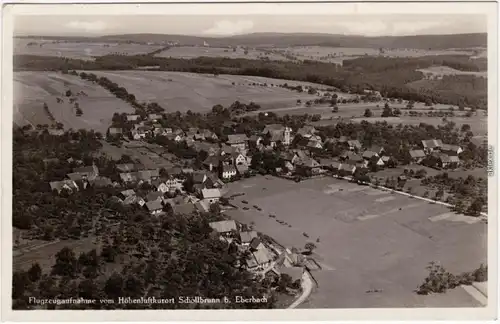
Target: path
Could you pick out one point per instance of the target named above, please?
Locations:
(307, 284)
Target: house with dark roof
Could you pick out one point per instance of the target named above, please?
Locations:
(247, 237)
(313, 145)
(451, 149)
(199, 177)
(184, 209)
(154, 196)
(101, 182)
(306, 131)
(417, 156)
(154, 207)
(238, 141)
(347, 168)
(126, 193)
(448, 161)
(349, 155)
(212, 162)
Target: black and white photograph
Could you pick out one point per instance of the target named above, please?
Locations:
(264, 160)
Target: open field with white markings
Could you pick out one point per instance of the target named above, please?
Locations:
(368, 239)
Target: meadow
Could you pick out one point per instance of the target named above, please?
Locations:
(366, 239)
(198, 51)
(33, 89)
(177, 91)
(79, 50)
(439, 71)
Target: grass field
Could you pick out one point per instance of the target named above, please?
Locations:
(368, 239)
(139, 151)
(198, 51)
(32, 89)
(445, 70)
(339, 54)
(83, 51)
(176, 91)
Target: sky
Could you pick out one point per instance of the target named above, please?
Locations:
(212, 25)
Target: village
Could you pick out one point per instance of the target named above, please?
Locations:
(183, 190)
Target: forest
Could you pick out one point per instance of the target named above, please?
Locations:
(390, 76)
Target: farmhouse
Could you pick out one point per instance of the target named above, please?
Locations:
(88, 172)
(228, 171)
(69, 185)
(202, 206)
(127, 193)
(314, 145)
(368, 155)
(173, 183)
(154, 117)
(224, 227)
(238, 158)
(154, 207)
(446, 161)
(211, 195)
(347, 168)
(431, 145)
(262, 258)
(377, 149)
(160, 185)
(154, 196)
(309, 164)
(133, 118)
(199, 177)
(348, 155)
(247, 237)
(451, 149)
(207, 134)
(174, 137)
(212, 162)
(239, 141)
(417, 156)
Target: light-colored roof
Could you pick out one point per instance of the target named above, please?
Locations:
(58, 185)
(354, 143)
(246, 237)
(417, 153)
(126, 167)
(236, 138)
(369, 154)
(210, 193)
(433, 143)
(224, 226)
(202, 206)
(128, 176)
(129, 192)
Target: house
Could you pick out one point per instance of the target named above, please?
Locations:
(154, 195)
(213, 181)
(431, 145)
(133, 117)
(154, 117)
(347, 168)
(154, 207)
(127, 193)
(242, 169)
(87, 172)
(148, 175)
(447, 161)
(354, 145)
(314, 145)
(212, 162)
(389, 161)
(174, 137)
(260, 259)
(199, 177)
(101, 182)
(309, 164)
(239, 141)
(173, 183)
(199, 137)
(256, 140)
(207, 134)
(184, 209)
(137, 135)
(255, 243)
(306, 131)
(69, 185)
(128, 176)
(202, 206)
(451, 149)
(228, 171)
(125, 167)
(349, 155)
(247, 237)
(56, 132)
(368, 155)
(115, 131)
(133, 199)
(160, 185)
(417, 156)
(211, 195)
(277, 132)
(238, 158)
(377, 149)
(225, 227)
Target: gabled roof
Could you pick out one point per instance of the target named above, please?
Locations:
(451, 148)
(58, 185)
(449, 159)
(417, 154)
(236, 138)
(376, 149)
(352, 156)
(224, 226)
(354, 143)
(273, 128)
(246, 237)
(479, 141)
(202, 206)
(86, 169)
(101, 182)
(347, 167)
(128, 176)
(255, 242)
(154, 205)
(369, 154)
(183, 209)
(129, 192)
(210, 193)
(154, 195)
(75, 176)
(126, 167)
(309, 162)
(115, 130)
(228, 168)
(212, 159)
(131, 200)
(307, 129)
(433, 143)
(199, 177)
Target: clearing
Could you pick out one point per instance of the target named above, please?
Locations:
(368, 239)
(178, 91)
(33, 89)
(445, 70)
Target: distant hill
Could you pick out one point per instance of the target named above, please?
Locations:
(297, 39)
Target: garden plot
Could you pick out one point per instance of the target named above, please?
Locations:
(387, 249)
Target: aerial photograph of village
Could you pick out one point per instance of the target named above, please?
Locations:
(215, 162)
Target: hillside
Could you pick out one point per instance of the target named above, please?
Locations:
(298, 39)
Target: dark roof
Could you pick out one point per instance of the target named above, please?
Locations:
(369, 154)
(247, 237)
(184, 209)
(254, 243)
(354, 143)
(101, 182)
(154, 205)
(154, 195)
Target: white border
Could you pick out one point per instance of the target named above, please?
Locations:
(488, 9)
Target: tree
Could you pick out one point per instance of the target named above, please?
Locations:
(68, 93)
(20, 281)
(465, 128)
(114, 286)
(396, 112)
(309, 247)
(335, 109)
(368, 113)
(421, 173)
(66, 263)
(387, 111)
(476, 207)
(35, 272)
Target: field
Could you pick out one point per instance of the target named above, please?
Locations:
(198, 51)
(144, 152)
(74, 50)
(32, 89)
(439, 71)
(176, 91)
(339, 54)
(368, 239)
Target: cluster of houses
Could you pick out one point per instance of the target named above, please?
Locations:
(446, 155)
